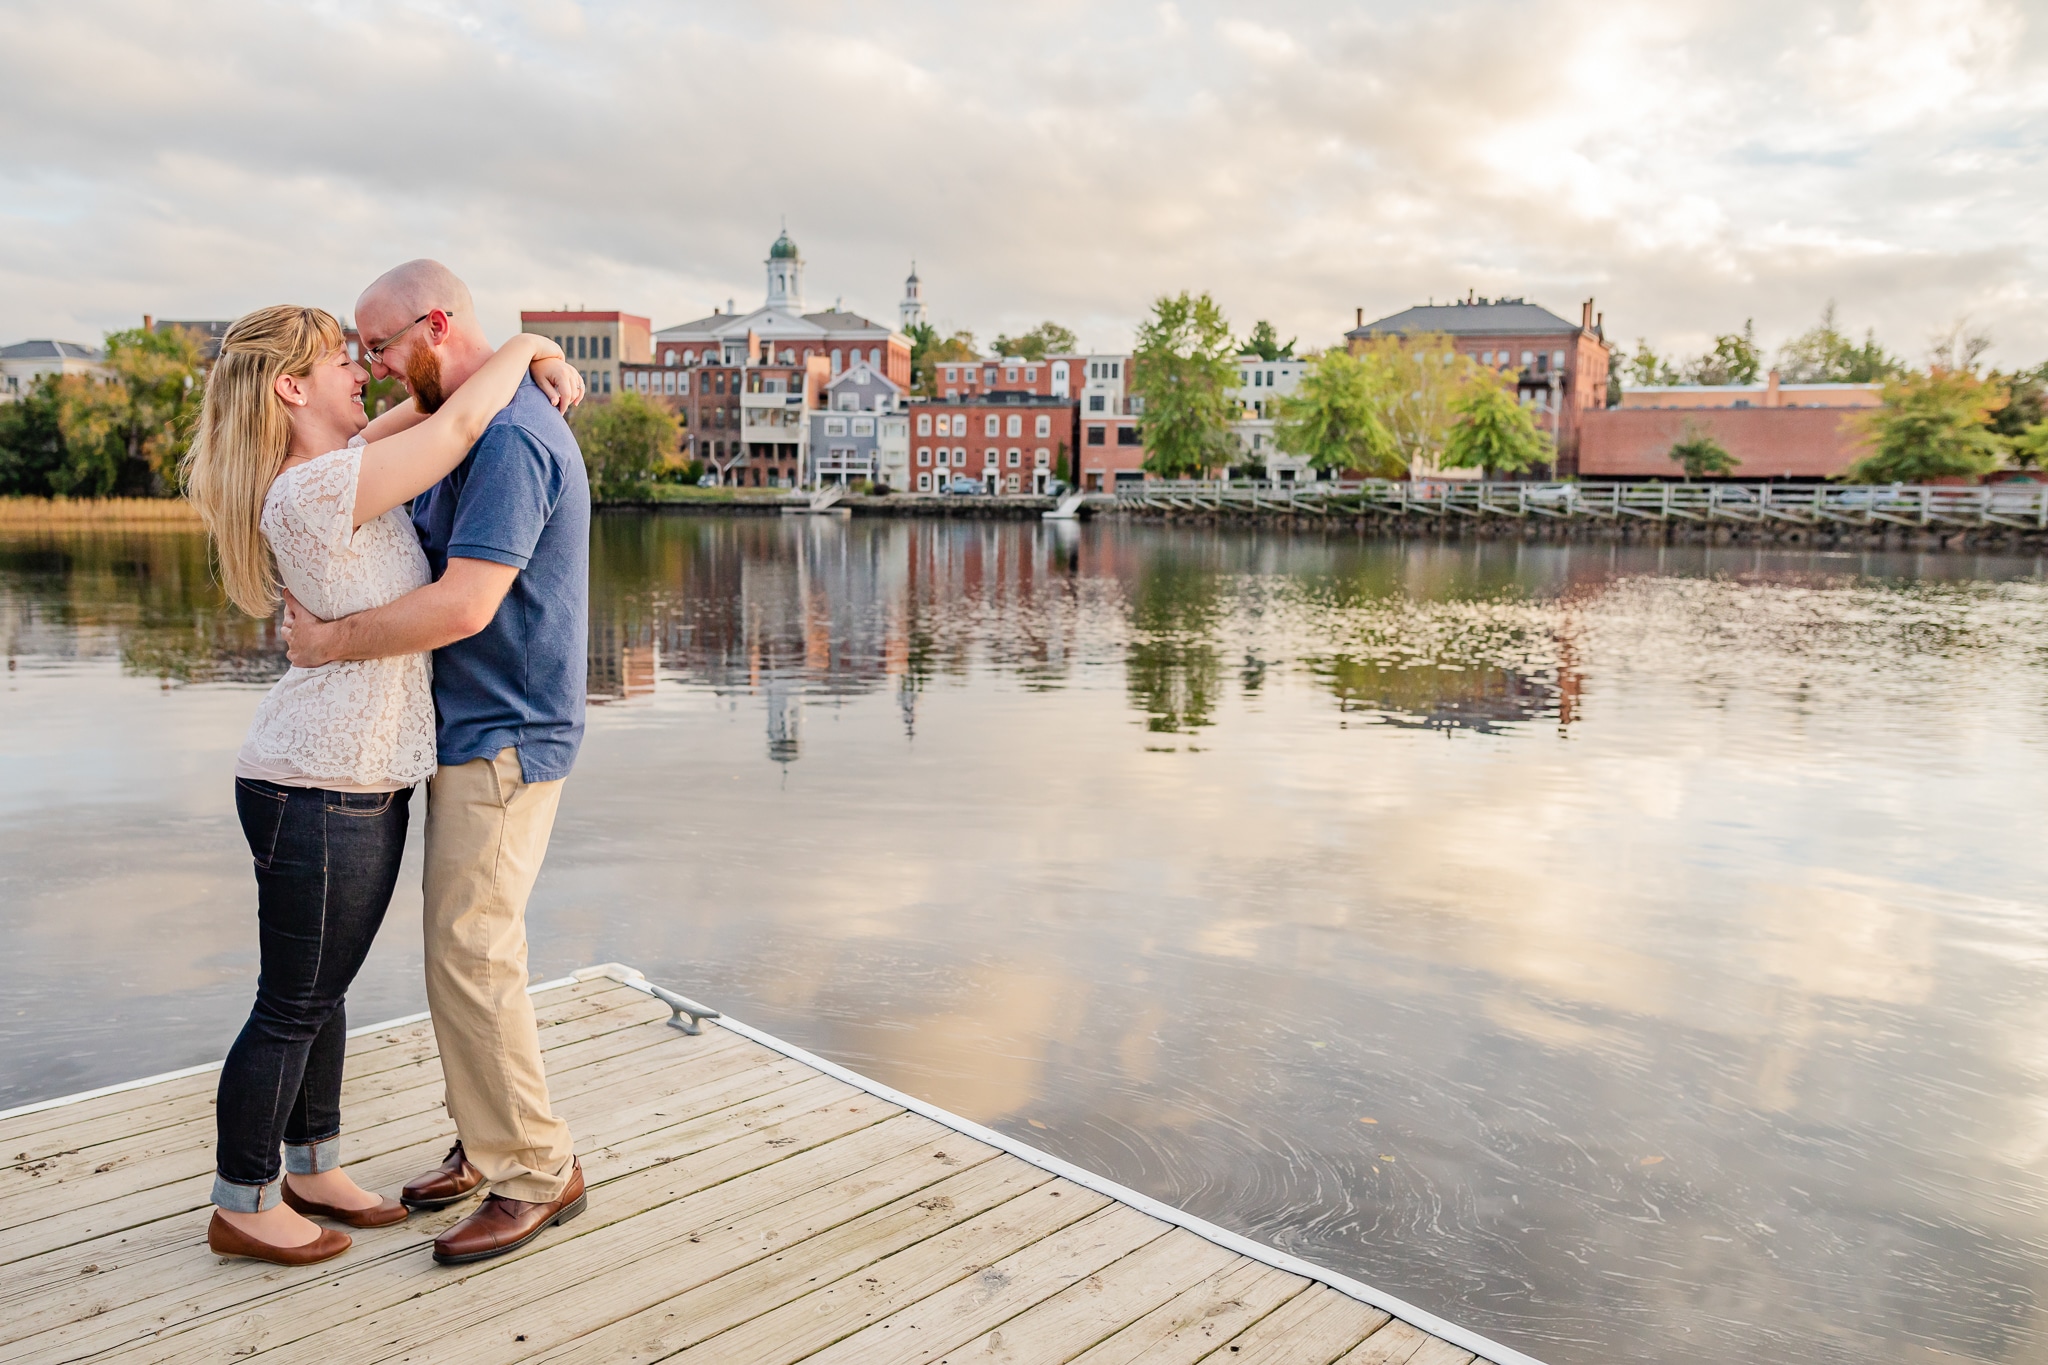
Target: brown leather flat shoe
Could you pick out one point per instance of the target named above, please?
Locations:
(503, 1225)
(447, 1183)
(381, 1214)
(228, 1240)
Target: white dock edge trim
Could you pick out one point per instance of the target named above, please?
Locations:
(1463, 1338)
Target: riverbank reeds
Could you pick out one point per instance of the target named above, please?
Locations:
(24, 512)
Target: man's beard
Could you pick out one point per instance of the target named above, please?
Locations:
(423, 373)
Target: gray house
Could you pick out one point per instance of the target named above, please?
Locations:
(863, 431)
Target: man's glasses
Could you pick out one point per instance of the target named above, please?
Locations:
(375, 354)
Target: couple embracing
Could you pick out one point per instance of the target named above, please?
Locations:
(445, 645)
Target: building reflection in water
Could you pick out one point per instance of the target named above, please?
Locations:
(803, 611)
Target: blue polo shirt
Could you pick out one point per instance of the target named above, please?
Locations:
(520, 498)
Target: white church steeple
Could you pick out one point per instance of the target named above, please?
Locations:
(911, 310)
(785, 275)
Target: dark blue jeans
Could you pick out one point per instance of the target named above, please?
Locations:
(326, 863)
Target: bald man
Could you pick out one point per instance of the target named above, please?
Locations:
(508, 537)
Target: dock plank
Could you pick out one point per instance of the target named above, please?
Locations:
(1199, 1319)
(1314, 1327)
(745, 1207)
(985, 1300)
(1091, 1310)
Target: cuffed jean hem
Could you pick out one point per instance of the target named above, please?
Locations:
(247, 1198)
(314, 1157)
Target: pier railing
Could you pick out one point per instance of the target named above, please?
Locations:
(2022, 506)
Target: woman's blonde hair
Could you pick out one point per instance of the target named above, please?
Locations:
(244, 435)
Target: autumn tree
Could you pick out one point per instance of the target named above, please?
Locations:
(1932, 426)
(628, 443)
(1047, 338)
(1493, 433)
(928, 350)
(1180, 367)
(1332, 419)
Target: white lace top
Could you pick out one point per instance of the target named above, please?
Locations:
(365, 724)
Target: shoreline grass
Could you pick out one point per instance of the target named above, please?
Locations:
(23, 511)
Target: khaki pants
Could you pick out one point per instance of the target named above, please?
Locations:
(487, 831)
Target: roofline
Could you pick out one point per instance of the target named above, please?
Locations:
(581, 316)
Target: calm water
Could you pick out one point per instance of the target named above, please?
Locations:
(1630, 953)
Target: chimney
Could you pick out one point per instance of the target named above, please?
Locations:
(1600, 325)
(1361, 317)
(148, 323)
(1586, 316)
(1771, 391)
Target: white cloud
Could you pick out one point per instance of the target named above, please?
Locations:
(1689, 164)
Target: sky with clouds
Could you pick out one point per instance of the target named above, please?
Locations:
(1687, 163)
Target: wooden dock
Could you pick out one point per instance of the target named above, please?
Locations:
(749, 1204)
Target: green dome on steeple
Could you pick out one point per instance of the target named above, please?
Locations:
(784, 249)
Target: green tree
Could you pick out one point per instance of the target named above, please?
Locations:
(31, 440)
(628, 443)
(1264, 343)
(1734, 359)
(928, 350)
(2026, 406)
(1932, 426)
(1700, 455)
(1416, 379)
(1047, 338)
(1822, 354)
(1180, 368)
(126, 432)
(1493, 433)
(1332, 419)
(1644, 368)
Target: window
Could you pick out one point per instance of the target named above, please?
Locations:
(1116, 369)
(578, 351)
(989, 377)
(838, 358)
(607, 381)
(863, 426)
(1528, 357)
(875, 358)
(1044, 426)
(991, 456)
(1031, 374)
(942, 457)
(924, 455)
(952, 373)
(924, 424)
(1127, 436)
(992, 425)
(959, 424)
(1557, 359)
(1041, 457)
(1012, 457)
(1095, 435)
(1015, 427)
(1009, 374)
(607, 348)
(1095, 402)
(835, 426)
(924, 483)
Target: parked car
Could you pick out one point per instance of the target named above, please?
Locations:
(707, 481)
(962, 486)
(1057, 488)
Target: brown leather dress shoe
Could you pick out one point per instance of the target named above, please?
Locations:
(381, 1214)
(228, 1240)
(503, 1225)
(446, 1184)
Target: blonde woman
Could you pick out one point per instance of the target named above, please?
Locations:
(300, 490)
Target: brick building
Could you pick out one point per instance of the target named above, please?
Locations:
(1110, 448)
(597, 343)
(1009, 441)
(1559, 370)
(1776, 431)
(746, 415)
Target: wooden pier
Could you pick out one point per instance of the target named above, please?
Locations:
(748, 1203)
(2015, 507)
